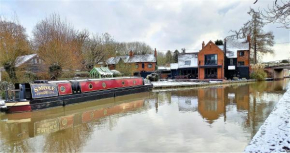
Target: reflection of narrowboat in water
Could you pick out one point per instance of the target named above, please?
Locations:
(46, 94)
(31, 124)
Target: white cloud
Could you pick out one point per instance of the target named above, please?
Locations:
(161, 24)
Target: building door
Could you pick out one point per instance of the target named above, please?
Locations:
(210, 73)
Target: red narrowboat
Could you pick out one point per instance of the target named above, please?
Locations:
(45, 94)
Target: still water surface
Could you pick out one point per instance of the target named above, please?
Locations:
(223, 118)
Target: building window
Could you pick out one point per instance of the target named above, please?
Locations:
(143, 65)
(211, 59)
(241, 53)
(137, 66)
(241, 63)
(187, 62)
(149, 65)
(231, 61)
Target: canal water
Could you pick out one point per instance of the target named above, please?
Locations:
(222, 118)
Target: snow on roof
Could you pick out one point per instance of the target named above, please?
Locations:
(173, 66)
(23, 59)
(116, 72)
(115, 60)
(142, 58)
(187, 60)
(133, 59)
(104, 70)
(221, 47)
(234, 45)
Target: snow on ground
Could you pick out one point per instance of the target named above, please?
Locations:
(274, 134)
(173, 83)
(2, 102)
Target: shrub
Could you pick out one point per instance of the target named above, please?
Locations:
(235, 78)
(284, 61)
(258, 72)
(67, 74)
(2, 94)
(42, 76)
(6, 85)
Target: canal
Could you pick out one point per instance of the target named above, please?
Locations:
(222, 118)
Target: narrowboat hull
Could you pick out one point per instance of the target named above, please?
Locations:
(63, 100)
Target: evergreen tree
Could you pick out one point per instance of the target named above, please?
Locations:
(168, 57)
(175, 56)
(219, 42)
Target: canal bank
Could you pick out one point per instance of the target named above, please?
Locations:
(191, 84)
(274, 134)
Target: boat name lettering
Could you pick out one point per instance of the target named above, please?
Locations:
(43, 88)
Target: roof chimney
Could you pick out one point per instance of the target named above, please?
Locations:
(131, 53)
(249, 38)
(155, 53)
(225, 46)
(202, 44)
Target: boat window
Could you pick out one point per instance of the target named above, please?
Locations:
(62, 89)
(90, 86)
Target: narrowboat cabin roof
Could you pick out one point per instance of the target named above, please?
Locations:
(64, 81)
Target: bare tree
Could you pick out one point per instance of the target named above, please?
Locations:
(58, 44)
(278, 13)
(13, 43)
(260, 41)
(98, 49)
(138, 48)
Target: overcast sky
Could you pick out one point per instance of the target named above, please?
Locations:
(163, 24)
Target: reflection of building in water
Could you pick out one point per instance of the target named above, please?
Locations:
(237, 97)
(243, 98)
(69, 131)
(187, 100)
(187, 103)
(211, 103)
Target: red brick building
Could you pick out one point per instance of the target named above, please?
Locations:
(210, 62)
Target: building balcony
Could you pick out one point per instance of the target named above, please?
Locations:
(211, 63)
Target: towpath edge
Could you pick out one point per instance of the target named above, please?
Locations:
(274, 134)
(176, 85)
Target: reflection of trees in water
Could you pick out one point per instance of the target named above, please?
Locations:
(12, 141)
(259, 86)
(261, 105)
(68, 140)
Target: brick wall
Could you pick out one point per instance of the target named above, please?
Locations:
(146, 68)
(244, 58)
(211, 48)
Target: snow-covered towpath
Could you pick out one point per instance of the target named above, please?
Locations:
(274, 134)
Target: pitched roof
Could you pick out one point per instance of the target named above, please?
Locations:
(133, 59)
(142, 58)
(234, 45)
(103, 70)
(23, 59)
